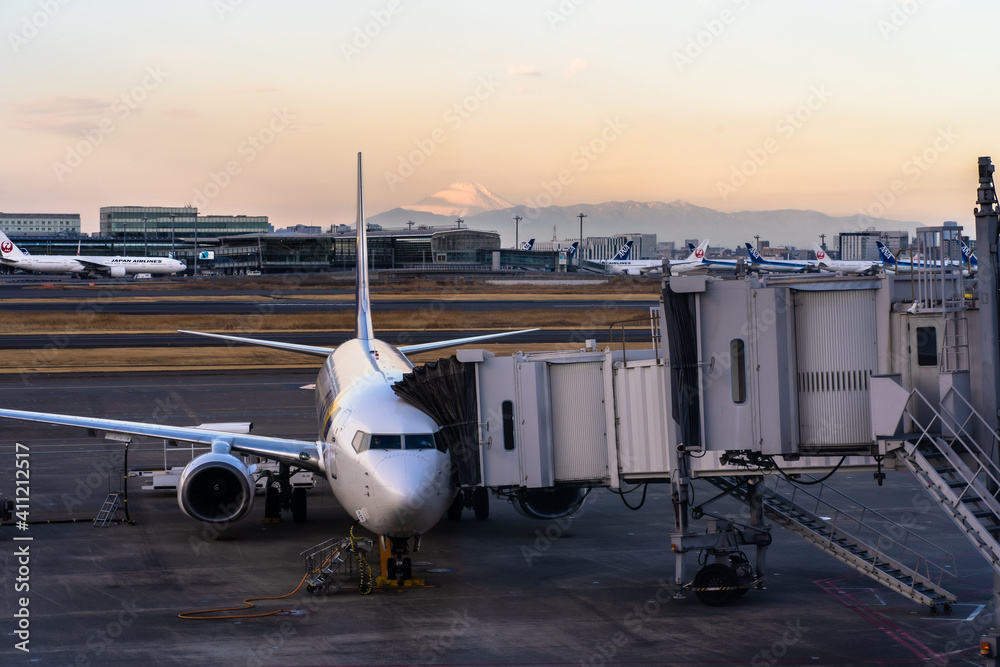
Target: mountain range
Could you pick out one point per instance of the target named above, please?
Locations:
(674, 221)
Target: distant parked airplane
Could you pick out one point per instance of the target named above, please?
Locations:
(116, 267)
(528, 245)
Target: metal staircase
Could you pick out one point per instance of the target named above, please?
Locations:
(960, 473)
(111, 510)
(855, 535)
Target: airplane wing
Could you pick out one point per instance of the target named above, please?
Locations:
(300, 453)
(95, 266)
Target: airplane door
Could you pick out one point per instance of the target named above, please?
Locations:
(499, 446)
(724, 355)
(924, 339)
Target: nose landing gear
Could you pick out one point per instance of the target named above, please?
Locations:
(397, 568)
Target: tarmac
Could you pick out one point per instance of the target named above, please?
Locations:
(591, 590)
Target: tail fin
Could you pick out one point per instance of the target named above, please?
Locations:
(969, 256)
(572, 250)
(754, 255)
(690, 247)
(363, 329)
(821, 255)
(623, 253)
(8, 250)
(528, 245)
(885, 254)
(697, 252)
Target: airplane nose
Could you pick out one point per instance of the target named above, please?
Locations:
(410, 492)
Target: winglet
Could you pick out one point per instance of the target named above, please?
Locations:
(363, 329)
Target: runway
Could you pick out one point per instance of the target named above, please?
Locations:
(508, 591)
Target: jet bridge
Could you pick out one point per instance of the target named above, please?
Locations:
(762, 383)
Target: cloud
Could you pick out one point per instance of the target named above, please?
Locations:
(59, 114)
(576, 66)
(524, 70)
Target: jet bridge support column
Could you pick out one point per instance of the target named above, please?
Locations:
(987, 229)
(756, 504)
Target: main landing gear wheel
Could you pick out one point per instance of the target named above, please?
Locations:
(272, 501)
(715, 584)
(455, 510)
(481, 503)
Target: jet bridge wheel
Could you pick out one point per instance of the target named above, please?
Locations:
(481, 503)
(715, 585)
(298, 504)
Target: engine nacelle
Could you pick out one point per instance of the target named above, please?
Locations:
(216, 488)
(546, 504)
(117, 271)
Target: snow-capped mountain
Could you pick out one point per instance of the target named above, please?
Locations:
(461, 199)
(674, 221)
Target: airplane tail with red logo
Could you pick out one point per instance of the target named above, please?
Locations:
(698, 252)
(821, 255)
(9, 251)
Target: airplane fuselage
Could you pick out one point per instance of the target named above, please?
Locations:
(379, 453)
(117, 264)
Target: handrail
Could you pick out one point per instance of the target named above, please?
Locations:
(926, 566)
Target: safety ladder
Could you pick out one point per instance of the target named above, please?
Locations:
(333, 563)
(857, 536)
(111, 510)
(961, 474)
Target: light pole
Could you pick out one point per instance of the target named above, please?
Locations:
(195, 274)
(579, 249)
(145, 238)
(124, 239)
(172, 250)
(517, 243)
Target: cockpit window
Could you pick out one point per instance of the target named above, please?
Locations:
(422, 441)
(386, 442)
(365, 441)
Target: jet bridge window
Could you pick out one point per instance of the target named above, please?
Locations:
(927, 346)
(738, 370)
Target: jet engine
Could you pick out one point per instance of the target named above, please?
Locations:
(216, 487)
(117, 271)
(552, 503)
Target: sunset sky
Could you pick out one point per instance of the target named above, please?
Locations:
(258, 107)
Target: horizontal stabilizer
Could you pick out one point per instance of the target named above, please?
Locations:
(291, 347)
(422, 347)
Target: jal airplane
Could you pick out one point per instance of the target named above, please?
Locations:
(383, 458)
(115, 267)
(621, 264)
(844, 265)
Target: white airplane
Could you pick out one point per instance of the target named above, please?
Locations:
(636, 267)
(116, 267)
(383, 457)
(844, 265)
(894, 264)
(757, 261)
